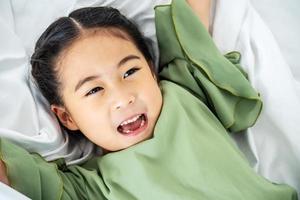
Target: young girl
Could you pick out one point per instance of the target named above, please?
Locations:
(163, 139)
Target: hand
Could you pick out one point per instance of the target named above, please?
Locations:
(202, 10)
(3, 175)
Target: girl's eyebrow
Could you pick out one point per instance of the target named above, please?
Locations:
(126, 59)
(90, 78)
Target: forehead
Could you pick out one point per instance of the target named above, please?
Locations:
(97, 39)
(96, 49)
(100, 47)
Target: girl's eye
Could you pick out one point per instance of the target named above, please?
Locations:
(131, 71)
(94, 90)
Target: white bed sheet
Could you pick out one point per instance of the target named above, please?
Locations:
(271, 146)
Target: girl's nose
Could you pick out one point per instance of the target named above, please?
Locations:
(123, 101)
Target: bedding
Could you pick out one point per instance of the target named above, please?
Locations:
(183, 158)
(269, 54)
(272, 145)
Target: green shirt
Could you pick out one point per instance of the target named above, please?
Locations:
(191, 155)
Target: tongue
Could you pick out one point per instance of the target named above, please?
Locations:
(132, 126)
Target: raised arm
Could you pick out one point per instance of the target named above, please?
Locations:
(190, 58)
(3, 175)
(32, 176)
(202, 10)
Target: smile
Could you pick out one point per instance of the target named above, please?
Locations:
(134, 125)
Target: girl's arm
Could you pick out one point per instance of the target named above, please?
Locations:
(190, 58)
(36, 178)
(202, 10)
(3, 175)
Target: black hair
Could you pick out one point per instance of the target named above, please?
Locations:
(64, 31)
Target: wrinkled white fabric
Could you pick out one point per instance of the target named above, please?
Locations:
(10, 194)
(271, 145)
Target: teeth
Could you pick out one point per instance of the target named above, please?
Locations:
(142, 124)
(130, 120)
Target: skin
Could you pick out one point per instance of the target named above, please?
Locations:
(202, 9)
(116, 92)
(3, 174)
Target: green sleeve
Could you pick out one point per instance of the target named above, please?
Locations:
(189, 57)
(31, 175)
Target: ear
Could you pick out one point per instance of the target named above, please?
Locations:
(64, 117)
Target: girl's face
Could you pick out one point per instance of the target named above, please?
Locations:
(109, 91)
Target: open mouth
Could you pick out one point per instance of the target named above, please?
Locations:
(134, 125)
